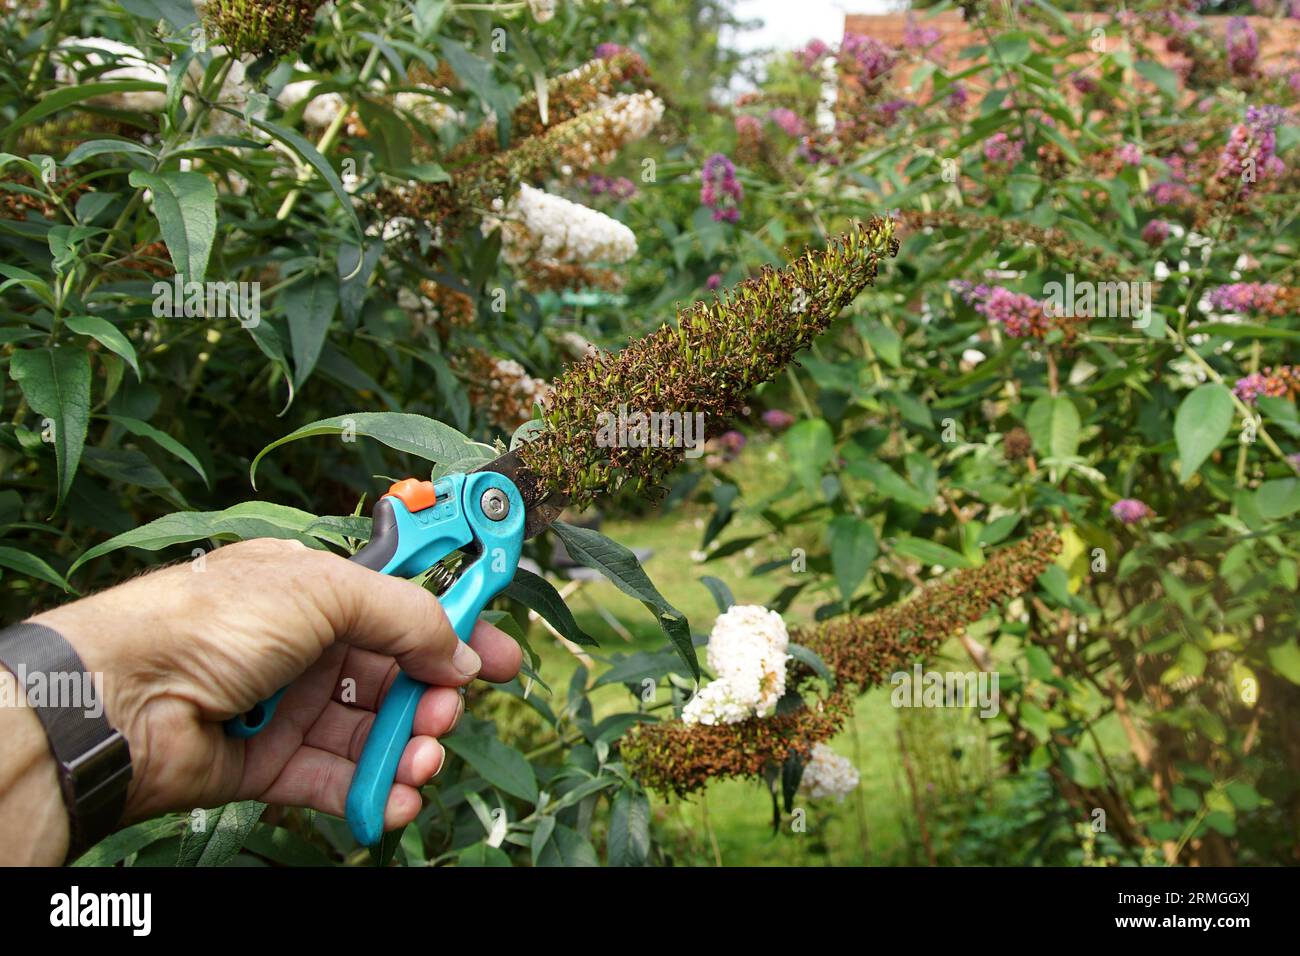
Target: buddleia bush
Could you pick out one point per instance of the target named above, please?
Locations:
(995, 363)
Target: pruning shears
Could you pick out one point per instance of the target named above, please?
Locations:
(487, 514)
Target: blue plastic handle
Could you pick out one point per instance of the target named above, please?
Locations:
(501, 542)
(407, 544)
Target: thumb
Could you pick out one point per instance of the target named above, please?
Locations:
(396, 617)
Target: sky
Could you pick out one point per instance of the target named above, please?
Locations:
(789, 24)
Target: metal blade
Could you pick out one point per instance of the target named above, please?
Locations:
(541, 507)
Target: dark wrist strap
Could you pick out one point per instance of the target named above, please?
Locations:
(93, 759)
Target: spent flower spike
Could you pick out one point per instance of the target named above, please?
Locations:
(718, 351)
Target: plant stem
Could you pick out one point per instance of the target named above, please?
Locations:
(331, 133)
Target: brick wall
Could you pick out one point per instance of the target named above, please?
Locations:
(1277, 38)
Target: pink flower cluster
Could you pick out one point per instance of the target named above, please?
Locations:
(871, 58)
(1251, 153)
(789, 121)
(1129, 154)
(1280, 382)
(1021, 316)
(1246, 297)
(1174, 190)
(1082, 82)
(720, 190)
(1003, 150)
(887, 112)
(1155, 232)
(777, 419)
(1131, 510)
(812, 54)
(1243, 46)
(919, 38)
(607, 51)
(958, 96)
(619, 187)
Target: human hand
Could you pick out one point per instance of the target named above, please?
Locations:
(187, 647)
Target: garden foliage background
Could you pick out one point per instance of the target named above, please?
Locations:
(346, 160)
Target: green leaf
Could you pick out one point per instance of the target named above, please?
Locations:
(1165, 79)
(313, 158)
(1081, 767)
(186, 207)
(542, 836)
(221, 840)
(56, 384)
(106, 334)
(71, 95)
(930, 552)
(1278, 498)
(1285, 659)
(502, 766)
(884, 341)
(1034, 719)
(480, 854)
(567, 848)
(810, 657)
(248, 519)
(1012, 47)
(32, 566)
(538, 594)
(285, 847)
(116, 848)
(629, 829)
(810, 444)
(853, 548)
(98, 147)
(1053, 423)
(415, 434)
(161, 439)
(593, 550)
(309, 307)
(889, 484)
(1203, 420)
(722, 595)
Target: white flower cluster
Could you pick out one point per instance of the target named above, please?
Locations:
(615, 121)
(539, 225)
(828, 774)
(748, 653)
(509, 374)
(319, 111)
(543, 10)
(426, 106)
(128, 63)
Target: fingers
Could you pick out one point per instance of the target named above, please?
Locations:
(343, 730)
(320, 780)
(395, 617)
(499, 652)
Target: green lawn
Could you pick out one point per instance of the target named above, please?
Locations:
(731, 821)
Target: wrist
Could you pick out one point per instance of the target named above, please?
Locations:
(33, 819)
(92, 627)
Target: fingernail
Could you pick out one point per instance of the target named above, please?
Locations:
(460, 708)
(442, 760)
(465, 660)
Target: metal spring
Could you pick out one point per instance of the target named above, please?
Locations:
(440, 578)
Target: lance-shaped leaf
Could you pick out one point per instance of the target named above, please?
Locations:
(593, 550)
(186, 207)
(56, 384)
(415, 434)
